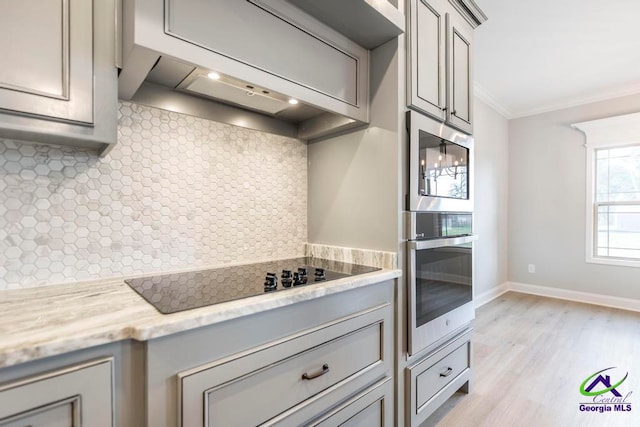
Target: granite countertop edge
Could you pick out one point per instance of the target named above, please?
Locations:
(41, 322)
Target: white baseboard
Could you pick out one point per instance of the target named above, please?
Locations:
(490, 295)
(565, 294)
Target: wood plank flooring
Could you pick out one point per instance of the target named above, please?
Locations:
(530, 356)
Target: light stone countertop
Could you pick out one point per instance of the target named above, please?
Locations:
(52, 320)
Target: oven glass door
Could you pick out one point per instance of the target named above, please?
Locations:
(442, 281)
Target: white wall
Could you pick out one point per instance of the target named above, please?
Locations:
(491, 197)
(547, 203)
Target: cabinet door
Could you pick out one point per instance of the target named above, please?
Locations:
(426, 81)
(47, 54)
(76, 396)
(459, 73)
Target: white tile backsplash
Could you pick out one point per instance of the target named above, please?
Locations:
(176, 192)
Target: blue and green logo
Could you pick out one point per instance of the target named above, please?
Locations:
(604, 392)
(605, 381)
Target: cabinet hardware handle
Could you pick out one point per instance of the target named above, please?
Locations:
(446, 373)
(325, 369)
(444, 108)
(453, 112)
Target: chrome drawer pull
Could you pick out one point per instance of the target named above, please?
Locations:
(325, 369)
(446, 373)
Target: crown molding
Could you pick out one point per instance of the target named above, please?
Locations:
(633, 89)
(488, 98)
(470, 11)
(485, 96)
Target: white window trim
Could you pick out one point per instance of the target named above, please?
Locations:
(616, 131)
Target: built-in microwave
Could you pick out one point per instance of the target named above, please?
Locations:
(440, 166)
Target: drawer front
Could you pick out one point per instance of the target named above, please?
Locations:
(435, 378)
(72, 397)
(253, 388)
(59, 414)
(432, 380)
(371, 408)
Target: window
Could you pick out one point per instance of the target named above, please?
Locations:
(617, 202)
(613, 190)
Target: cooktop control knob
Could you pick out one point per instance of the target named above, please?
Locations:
(319, 274)
(298, 280)
(287, 280)
(302, 272)
(270, 282)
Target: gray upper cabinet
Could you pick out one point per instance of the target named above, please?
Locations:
(439, 56)
(267, 43)
(369, 23)
(58, 82)
(54, 45)
(427, 57)
(460, 73)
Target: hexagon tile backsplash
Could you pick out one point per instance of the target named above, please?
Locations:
(176, 192)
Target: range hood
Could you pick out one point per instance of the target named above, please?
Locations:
(185, 88)
(277, 69)
(196, 81)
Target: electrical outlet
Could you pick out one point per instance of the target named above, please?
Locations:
(532, 268)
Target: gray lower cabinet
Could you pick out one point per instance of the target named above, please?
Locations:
(80, 395)
(432, 380)
(58, 81)
(285, 367)
(371, 408)
(323, 362)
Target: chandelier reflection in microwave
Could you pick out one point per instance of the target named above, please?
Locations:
(448, 166)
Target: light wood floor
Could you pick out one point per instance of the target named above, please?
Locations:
(532, 353)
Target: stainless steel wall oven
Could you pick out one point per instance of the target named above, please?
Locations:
(440, 233)
(440, 277)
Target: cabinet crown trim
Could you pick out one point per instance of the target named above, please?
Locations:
(470, 11)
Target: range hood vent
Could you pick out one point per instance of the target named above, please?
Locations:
(239, 94)
(185, 88)
(260, 54)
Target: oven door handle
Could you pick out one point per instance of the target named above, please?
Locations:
(439, 243)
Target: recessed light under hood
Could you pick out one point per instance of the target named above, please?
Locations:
(186, 88)
(235, 92)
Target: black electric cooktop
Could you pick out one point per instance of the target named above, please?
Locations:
(172, 293)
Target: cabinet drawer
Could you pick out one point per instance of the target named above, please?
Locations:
(78, 395)
(273, 379)
(58, 414)
(441, 373)
(432, 380)
(371, 408)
